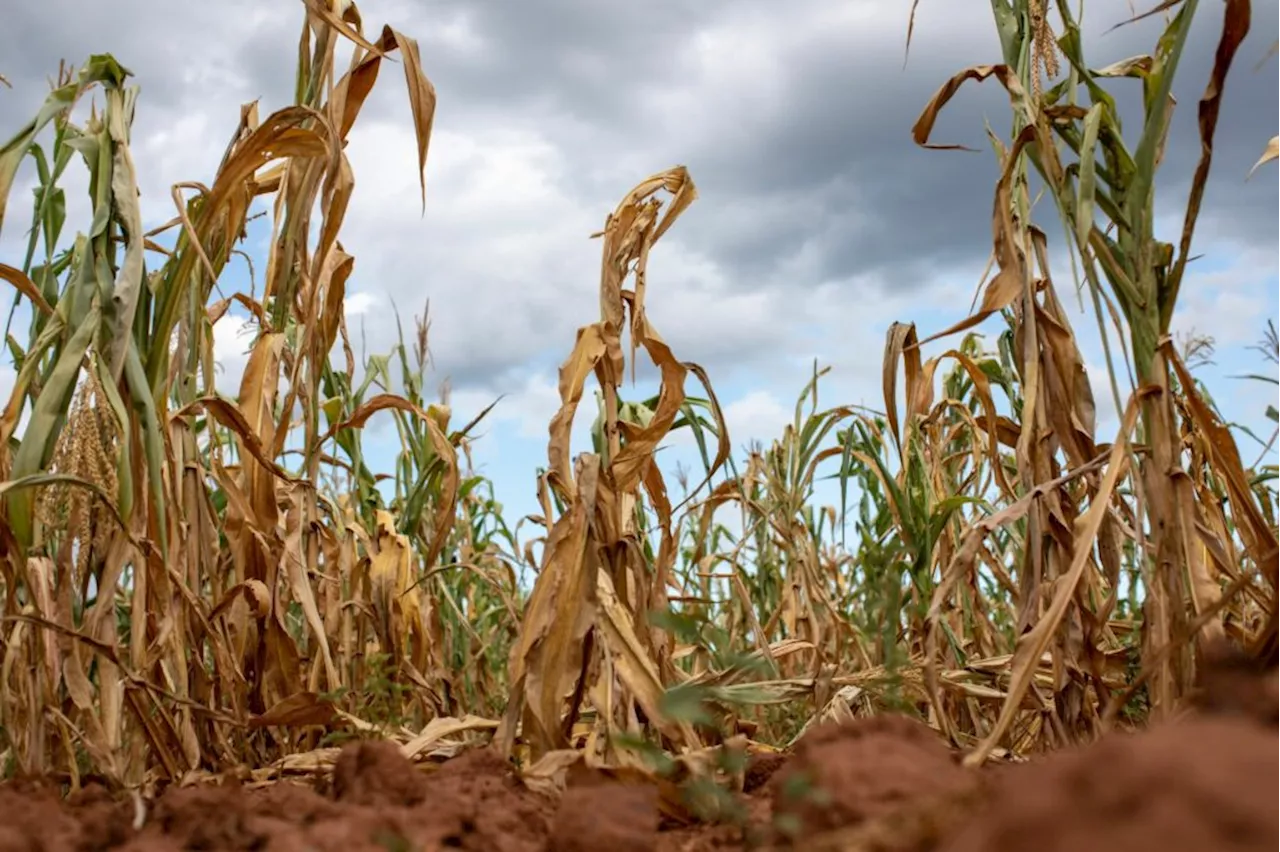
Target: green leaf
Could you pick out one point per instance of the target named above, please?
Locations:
(686, 703)
(1088, 172)
(47, 416)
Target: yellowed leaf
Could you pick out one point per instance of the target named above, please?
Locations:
(230, 416)
(302, 709)
(587, 353)
(422, 99)
(324, 10)
(547, 656)
(635, 668)
(1269, 153)
(1032, 645)
(441, 728)
(25, 286)
(295, 567)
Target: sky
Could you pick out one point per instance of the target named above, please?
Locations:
(819, 222)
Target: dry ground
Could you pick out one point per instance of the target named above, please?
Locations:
(1207, 780)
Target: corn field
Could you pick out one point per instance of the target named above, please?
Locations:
(196, 583)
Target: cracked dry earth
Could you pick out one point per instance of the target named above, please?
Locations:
(1207, 781)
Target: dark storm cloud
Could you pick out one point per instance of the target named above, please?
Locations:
(577, 57)
(830, 174)
(832, 171)
(799, 141)
(886, 206)
(1232, 208)
(154, 39)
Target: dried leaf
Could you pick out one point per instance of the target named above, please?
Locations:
(1271, 152)
(636, 670)
(440, 728)
(1235, 26)
(422, 98)
(1031, 645)
(300, 710)
(230, 416)
(900, 342)
(1008, 78)
(25, 286)
(547, 657)
(324, 10)
(1163, 6)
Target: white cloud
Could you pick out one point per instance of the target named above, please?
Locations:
(186, 147)
(232, 337)
(702, 315)
(501, 251)
(1229, 290)
(756, 417)
(1106, 416)
(356, 304)
(528, 410)
(1224, 309)
(7, 379)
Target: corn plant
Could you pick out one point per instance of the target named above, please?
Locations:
(1104, 191)
(177, 592)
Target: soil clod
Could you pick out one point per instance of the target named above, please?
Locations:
(375, 772)
(845, 774)
(1207, 783)
(613, 816)
(1233, 683)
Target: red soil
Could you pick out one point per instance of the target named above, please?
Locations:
(887, 783)
(377, 801)
(1232, 683)
(1200, 784)
(1208, 781)
(612, 816)
(844, 775)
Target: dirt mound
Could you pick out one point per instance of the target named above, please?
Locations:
(1231, 682)
(487, 808)
(34, 817)
(1205, 783)
(218, 817)
(843, 775)
(607, 815)
(378, 801)
(885, 783)
(375, 772)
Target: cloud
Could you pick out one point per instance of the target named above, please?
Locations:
(819, 221)
(233, 337)
(7, 379)
(357, 304)
(500, 251)
(793, 120)
(755, 418)
(1230, 300)
(529, 408)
